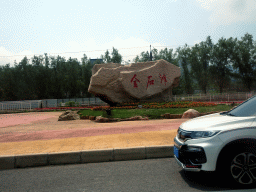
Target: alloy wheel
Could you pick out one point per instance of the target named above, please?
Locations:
(243, 168)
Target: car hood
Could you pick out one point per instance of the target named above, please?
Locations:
(217, 122)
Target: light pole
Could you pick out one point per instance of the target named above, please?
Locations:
(150, 55)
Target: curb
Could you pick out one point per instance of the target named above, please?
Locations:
(91, 156)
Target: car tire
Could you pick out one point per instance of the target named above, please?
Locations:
(238, 165)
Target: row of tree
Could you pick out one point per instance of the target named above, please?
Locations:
(44, 77)
(228, 63)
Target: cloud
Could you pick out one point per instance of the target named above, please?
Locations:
(128, 48)
(131, 47)
(7, 57)
(229, 12)
(4, 56)
(207, 4)
(197, 42)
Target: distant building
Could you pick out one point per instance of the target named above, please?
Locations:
(94, 60)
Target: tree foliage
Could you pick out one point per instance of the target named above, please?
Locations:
(220, 71)
(45, 77)
(243, 57)
(204, 66)
(144, 56)
(116, 57)
(183, 59)
(199, 60)
(207, 65)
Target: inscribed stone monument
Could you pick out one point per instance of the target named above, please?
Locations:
(138, 82)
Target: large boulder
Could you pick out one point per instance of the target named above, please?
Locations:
(191, 113)
(148, 81)
(69, 115)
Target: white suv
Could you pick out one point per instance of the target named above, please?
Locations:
(225, 142)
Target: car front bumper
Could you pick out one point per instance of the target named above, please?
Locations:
(198, 154)
(190, 160)
(184, 167)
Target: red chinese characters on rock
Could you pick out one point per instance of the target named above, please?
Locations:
(150, 82)
(163, 78)
(134, 80)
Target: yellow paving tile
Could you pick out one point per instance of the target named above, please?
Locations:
(88, 143)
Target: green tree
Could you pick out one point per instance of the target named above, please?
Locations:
(47, 73)
(168, 55)
(58, 78)
(183, 59)
(27, 75)
(243, 57)
(116, 57)
(42, 84)
(9, 85)
(1, 84)
(106, 58)
(154, 54)
(46, 60)
(200, 59)
(72, 75)
(86, 75)
(220, 68)
(136, 59)
(144, 57)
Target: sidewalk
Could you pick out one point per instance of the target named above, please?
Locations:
(41, 133)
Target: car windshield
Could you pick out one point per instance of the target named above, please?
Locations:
(248, 108)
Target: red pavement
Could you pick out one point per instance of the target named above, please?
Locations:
(7, 120)
(85, 132)
(41, 132)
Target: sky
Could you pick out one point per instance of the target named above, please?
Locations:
(73, 28)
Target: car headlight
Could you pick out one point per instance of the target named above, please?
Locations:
(200, 134)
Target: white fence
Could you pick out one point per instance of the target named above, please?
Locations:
(83, 101)
(224, 97)
(48, 103)
(20, 105)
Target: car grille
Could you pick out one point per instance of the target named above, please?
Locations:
(184, 135)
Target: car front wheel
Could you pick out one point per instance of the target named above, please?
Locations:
(243, 168)
(239, 165)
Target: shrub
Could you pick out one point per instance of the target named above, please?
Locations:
(71, 104)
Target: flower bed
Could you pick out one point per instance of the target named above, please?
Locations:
(179, 104)
(61, 108)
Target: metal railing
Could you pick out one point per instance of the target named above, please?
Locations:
(224, 97)
(48, 103)
(83, 101)
(19, 105)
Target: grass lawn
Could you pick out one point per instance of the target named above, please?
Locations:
(150, 113)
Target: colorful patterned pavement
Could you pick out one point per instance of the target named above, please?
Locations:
(41, 132)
